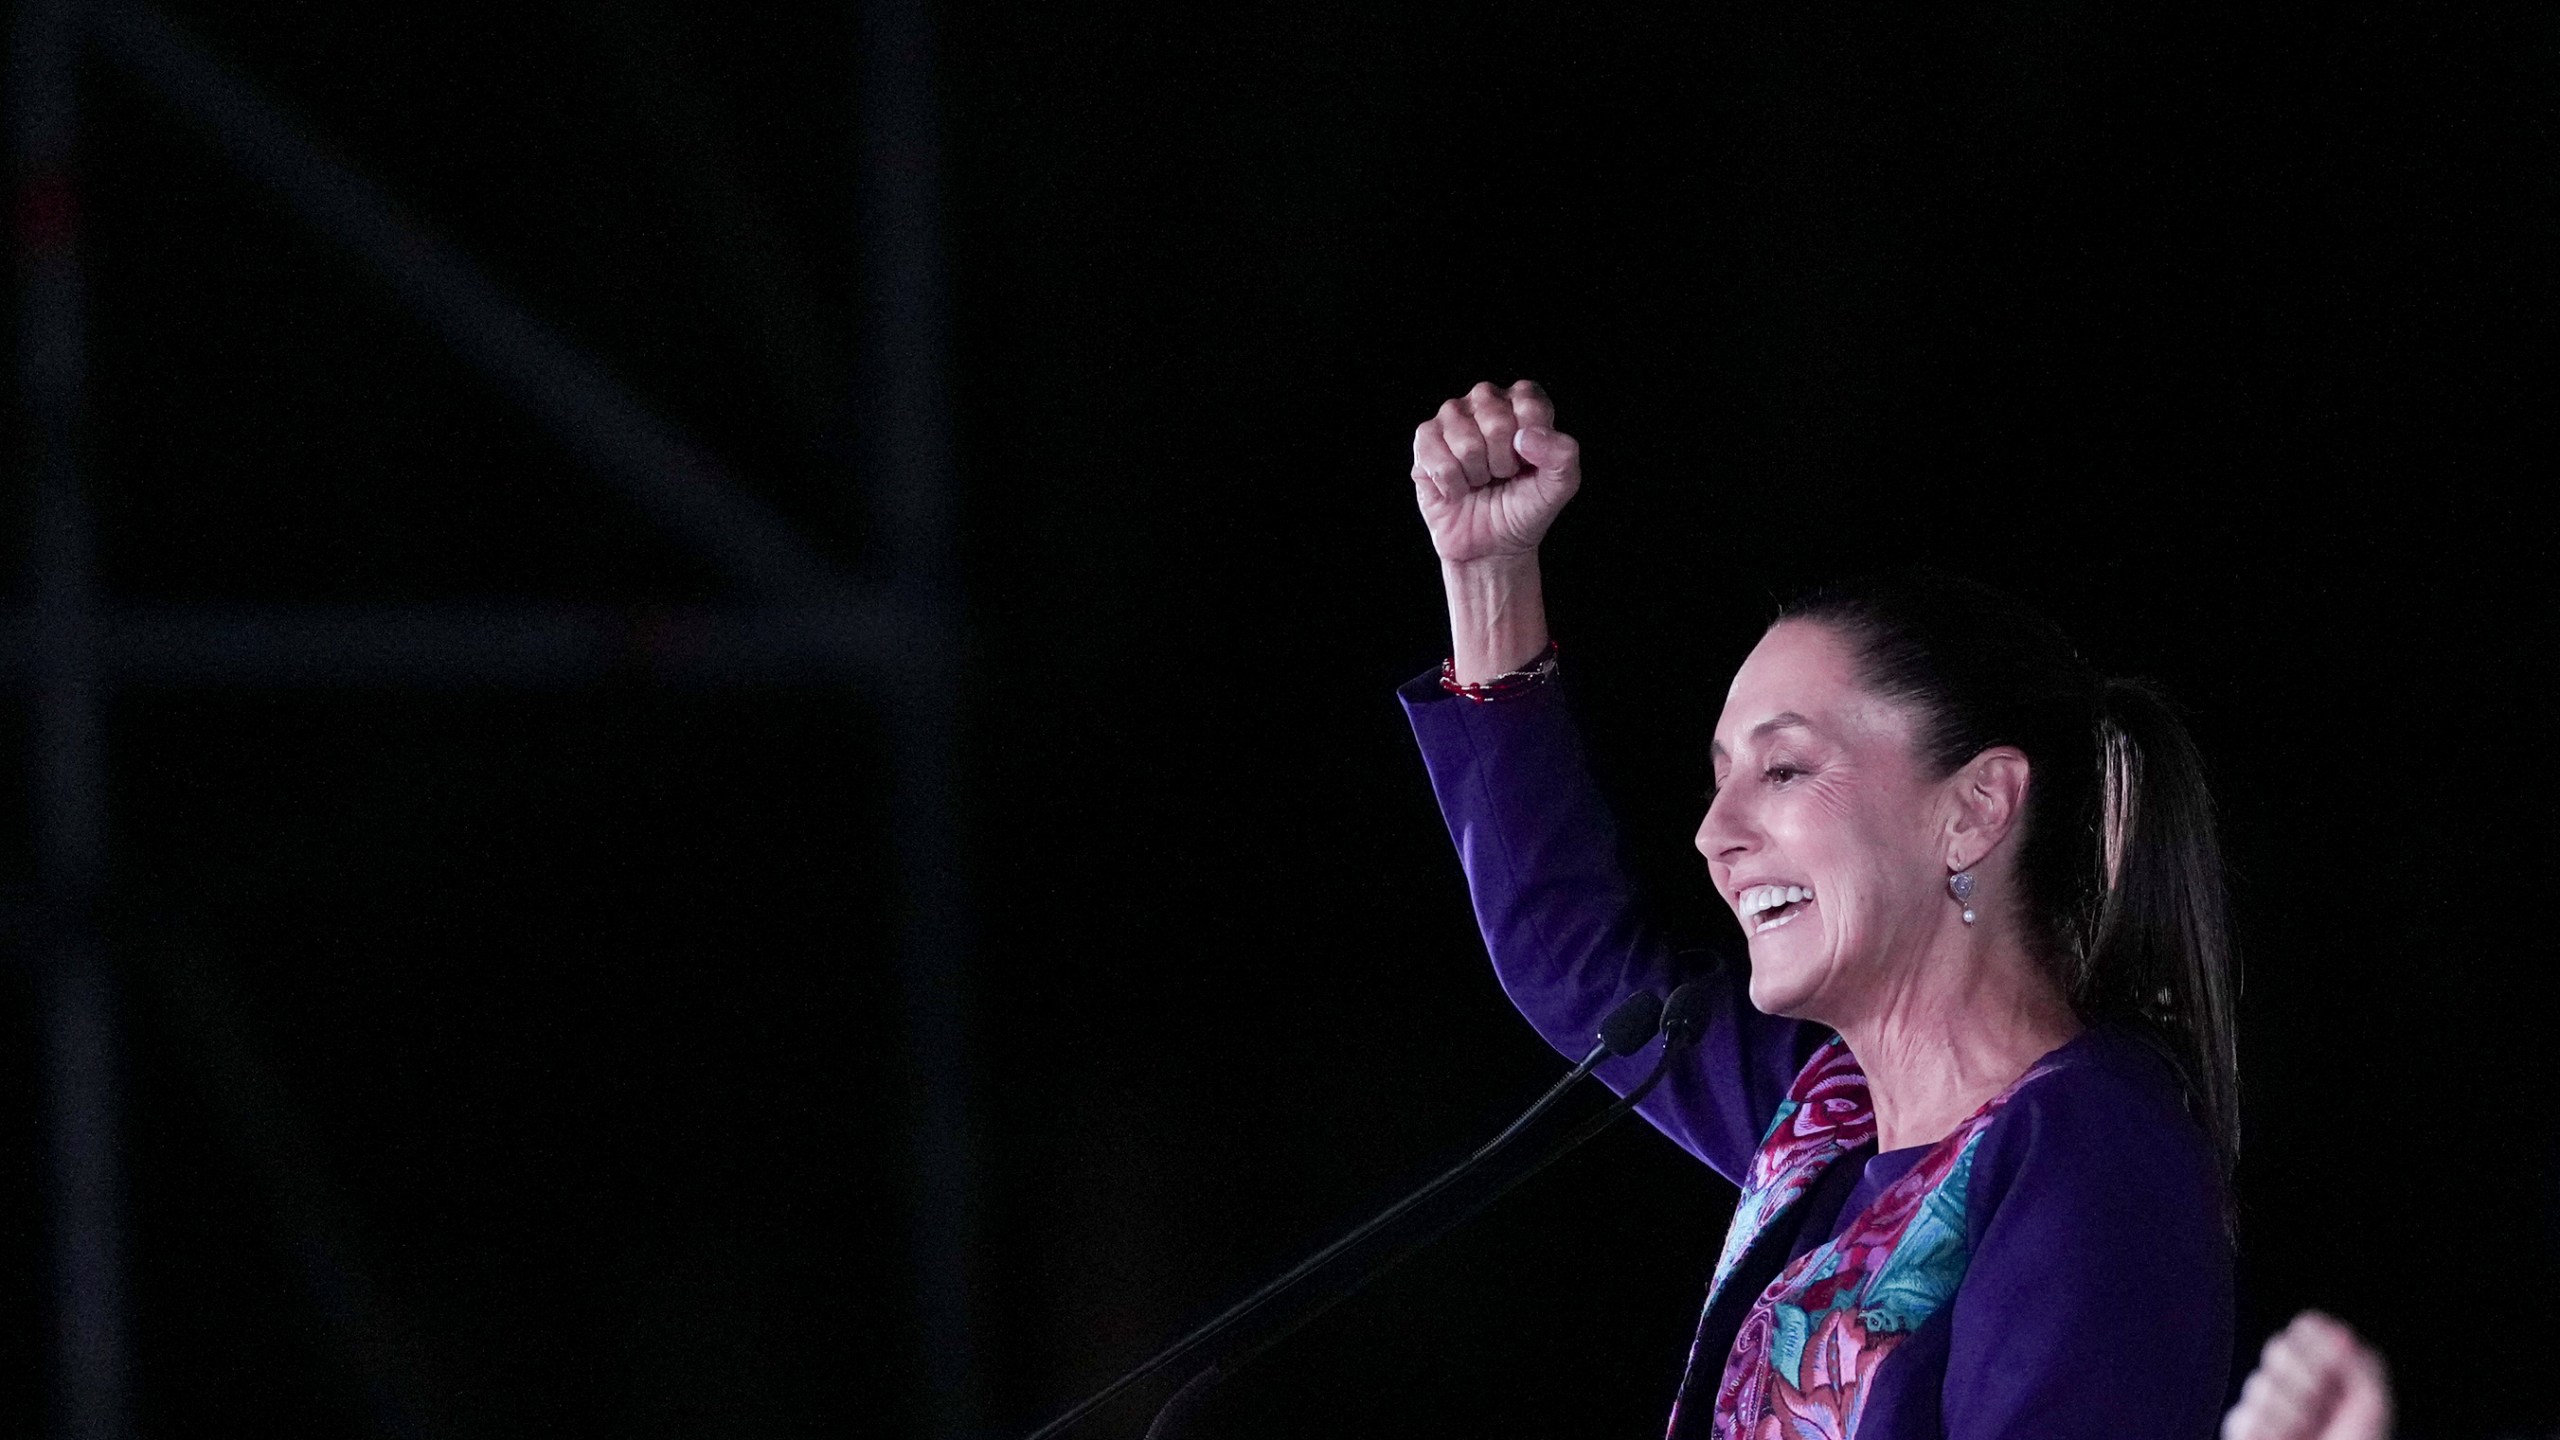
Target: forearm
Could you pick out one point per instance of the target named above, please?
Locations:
(1497, 614)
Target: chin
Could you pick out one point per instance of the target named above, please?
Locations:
(1775, 992)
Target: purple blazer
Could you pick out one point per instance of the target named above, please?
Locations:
(2057, 1268)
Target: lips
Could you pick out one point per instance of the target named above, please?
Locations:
(1764, 908)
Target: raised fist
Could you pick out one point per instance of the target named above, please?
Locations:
(1490, 471)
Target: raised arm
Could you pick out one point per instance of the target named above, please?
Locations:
(1567, 933)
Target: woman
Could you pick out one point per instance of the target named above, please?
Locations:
(1977, 1084)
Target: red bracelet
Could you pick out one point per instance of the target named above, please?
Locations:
(1501, 687)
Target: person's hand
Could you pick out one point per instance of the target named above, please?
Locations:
(1490, 472)
(2314, 1381)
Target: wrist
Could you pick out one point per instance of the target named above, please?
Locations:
(1497, 615)
(1501, 565)
(1537, 672)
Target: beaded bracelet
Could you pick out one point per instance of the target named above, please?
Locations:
(1501, 687)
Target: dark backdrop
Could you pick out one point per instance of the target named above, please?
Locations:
(2216, 331)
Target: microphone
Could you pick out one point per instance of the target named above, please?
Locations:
(1683, 1020)
(1631, 1026)
(1627, 1029)
(1684, 1023)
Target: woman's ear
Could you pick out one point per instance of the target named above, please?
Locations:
(1989, 794)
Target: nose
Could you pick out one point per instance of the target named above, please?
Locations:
(1726, 834)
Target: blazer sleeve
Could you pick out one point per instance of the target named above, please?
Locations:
(1563, 924)
(2099, 1298)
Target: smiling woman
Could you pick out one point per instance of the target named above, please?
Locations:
(1976, 1080)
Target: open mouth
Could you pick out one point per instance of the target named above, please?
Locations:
(1766, 907)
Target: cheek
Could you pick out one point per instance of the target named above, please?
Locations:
(1821, 826)
(1856, 852)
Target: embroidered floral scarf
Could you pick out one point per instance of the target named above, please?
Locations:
(1801, 1363)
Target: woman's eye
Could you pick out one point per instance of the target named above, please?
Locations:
(1780, 774)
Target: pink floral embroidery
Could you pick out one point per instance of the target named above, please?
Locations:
(1826, 1109)
(1802, 1359)
(1838, 1361)
(1744, 1388)
(1826, 1112)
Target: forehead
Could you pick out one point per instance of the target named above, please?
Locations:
(1800, 676)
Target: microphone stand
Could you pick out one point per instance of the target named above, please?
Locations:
(1178, 1409)
(1612, 1042)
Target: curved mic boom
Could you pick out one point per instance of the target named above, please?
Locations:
(1628, 1029)
(1684, 1020)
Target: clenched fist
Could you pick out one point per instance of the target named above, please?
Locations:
(2315, 1381)
(1490, 472)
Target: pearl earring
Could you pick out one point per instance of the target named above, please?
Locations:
(1961, 883)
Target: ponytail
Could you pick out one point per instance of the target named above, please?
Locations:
(2119, 870)
(2160, 956)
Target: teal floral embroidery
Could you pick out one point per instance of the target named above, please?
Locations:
(1826, 1113)
(1922, 1272)
(1801, 1363)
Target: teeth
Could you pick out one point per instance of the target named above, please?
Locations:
(1770, 897)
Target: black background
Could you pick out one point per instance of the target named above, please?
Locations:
(2217, 332)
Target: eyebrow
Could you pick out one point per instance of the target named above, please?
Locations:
(1783, 720)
